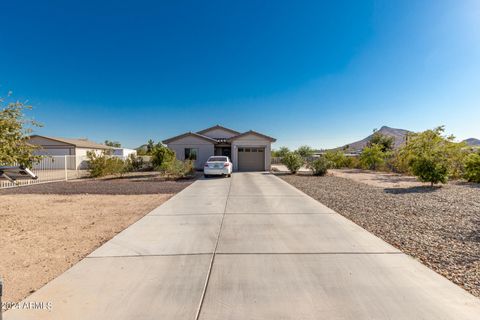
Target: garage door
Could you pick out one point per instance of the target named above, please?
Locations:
(251, 159)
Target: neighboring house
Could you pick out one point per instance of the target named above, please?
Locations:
(123, 152)
(248, 151)
(75, 148)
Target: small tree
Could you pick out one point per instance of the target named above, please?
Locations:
(293, 161)
(320, 166)
(472, 167)
(114, 144)
(430, 155)
(429, 170)
(150, 147)
(162, 156)
(14, 133)
(385, 142)
(372, 157)
(338, 159)
(305, 151)
(280, 152)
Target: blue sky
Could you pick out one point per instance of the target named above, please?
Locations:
(322, 73)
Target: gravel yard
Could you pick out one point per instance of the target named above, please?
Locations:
(142, 183)
(47, 228)
(439, 226)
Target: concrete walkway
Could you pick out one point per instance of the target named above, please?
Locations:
(249, 247)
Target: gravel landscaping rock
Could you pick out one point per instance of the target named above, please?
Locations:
(130, 185)
(439, 226)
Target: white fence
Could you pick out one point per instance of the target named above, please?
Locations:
(54, 168)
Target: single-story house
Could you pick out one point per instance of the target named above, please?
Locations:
(76, 149)
(123, 152)
(248, 151)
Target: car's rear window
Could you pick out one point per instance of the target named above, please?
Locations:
(218, 159)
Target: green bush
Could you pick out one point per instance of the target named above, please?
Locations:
(162, 156)
(178, 169)
(134, 163)
(320, 166)
(338, 159)
(429, 170)
(293, 161)
(280, 152)
(472, 167)
(101, 165)
(432, 156)
(305, 151)
(372, 158)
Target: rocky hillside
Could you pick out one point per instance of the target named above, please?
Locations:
(472, 142)
(398, 134)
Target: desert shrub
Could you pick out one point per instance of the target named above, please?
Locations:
(372, 157)
(280, 152)
(472, 167)
(354, 163)
(385, 142)
(178, 169)
(305, 151)
(432, 157)
(162, 156)
(320, 166)
(100, 165)
(134, 163)
(429, 170)
(293, 161)
(397, 163)
(338, 159)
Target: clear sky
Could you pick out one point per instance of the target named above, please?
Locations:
(322, 73)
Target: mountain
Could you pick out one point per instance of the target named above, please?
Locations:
(398, 134)
(472, 142)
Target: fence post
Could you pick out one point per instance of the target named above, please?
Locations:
(66, 173)
(1, 293)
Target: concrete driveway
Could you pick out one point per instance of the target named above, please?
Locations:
(249, 247)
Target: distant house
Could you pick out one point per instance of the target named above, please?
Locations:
(75, 148)
(123, 152)
(249, 151)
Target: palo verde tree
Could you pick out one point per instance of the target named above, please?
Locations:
(372, 157)
(280, 152)
(431, 155)
(385, 142)
(305, 151)
(14, 131)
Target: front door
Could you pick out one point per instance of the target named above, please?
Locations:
(226, 152)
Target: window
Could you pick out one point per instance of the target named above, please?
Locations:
(247, 149)
(191, 154)
(240, 149)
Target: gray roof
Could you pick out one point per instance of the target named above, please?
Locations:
(200, 134)
(218, 127)
(79, 143)
(167, 141)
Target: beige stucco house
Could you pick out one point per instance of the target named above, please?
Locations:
(248, 151)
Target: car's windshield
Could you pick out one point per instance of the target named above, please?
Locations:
(223, 159)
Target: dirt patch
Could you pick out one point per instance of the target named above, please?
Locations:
(44, 235)
(47, 228)
(439, 226)
(378, 179)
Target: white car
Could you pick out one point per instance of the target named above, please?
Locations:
(218, 166)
